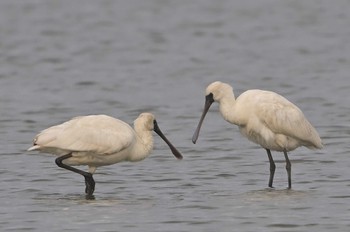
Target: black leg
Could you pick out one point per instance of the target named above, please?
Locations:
(89, 180)
(272, 167)
(289, 169)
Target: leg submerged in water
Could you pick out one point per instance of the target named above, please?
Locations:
(272, 167)
(89, 180)
(289, 169)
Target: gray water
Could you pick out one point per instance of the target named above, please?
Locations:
(60, 59)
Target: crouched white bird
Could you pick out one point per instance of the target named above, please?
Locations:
(99, 140)
(265, 118)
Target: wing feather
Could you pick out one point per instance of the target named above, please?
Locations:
(98, 134)
(283, 117)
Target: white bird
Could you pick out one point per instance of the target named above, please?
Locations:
(264, 117)
(99, 140)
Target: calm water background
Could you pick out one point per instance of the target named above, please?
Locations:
(60, 59)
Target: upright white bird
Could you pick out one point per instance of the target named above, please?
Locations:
(99, 140)
(265, 118)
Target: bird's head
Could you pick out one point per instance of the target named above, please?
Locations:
(217, 90)
(147, 121)
(214, 92)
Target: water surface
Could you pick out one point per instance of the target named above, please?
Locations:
(63, 59)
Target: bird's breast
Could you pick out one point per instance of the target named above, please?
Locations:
(96, 160)
(268, 139)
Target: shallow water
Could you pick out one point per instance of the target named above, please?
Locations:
(59, 60)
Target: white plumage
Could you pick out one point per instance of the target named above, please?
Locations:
(99, 140)
(99, 134)
(265, 118)
(272, 121)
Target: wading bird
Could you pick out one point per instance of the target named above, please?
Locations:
(99, 140)
(264, 117)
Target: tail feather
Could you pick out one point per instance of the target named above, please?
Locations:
(315, 142)
(33, 148)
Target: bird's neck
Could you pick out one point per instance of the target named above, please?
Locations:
(227, 105)
(143, 146)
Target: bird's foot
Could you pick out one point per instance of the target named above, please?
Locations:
(270, 183)
(89, 197)
(90, 185)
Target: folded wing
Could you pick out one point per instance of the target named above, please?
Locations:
(98, 134)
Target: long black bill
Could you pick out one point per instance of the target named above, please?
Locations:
(209, 99)
(176, 153)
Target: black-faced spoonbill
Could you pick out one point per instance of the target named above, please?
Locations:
(265, 118)
(99, 140)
